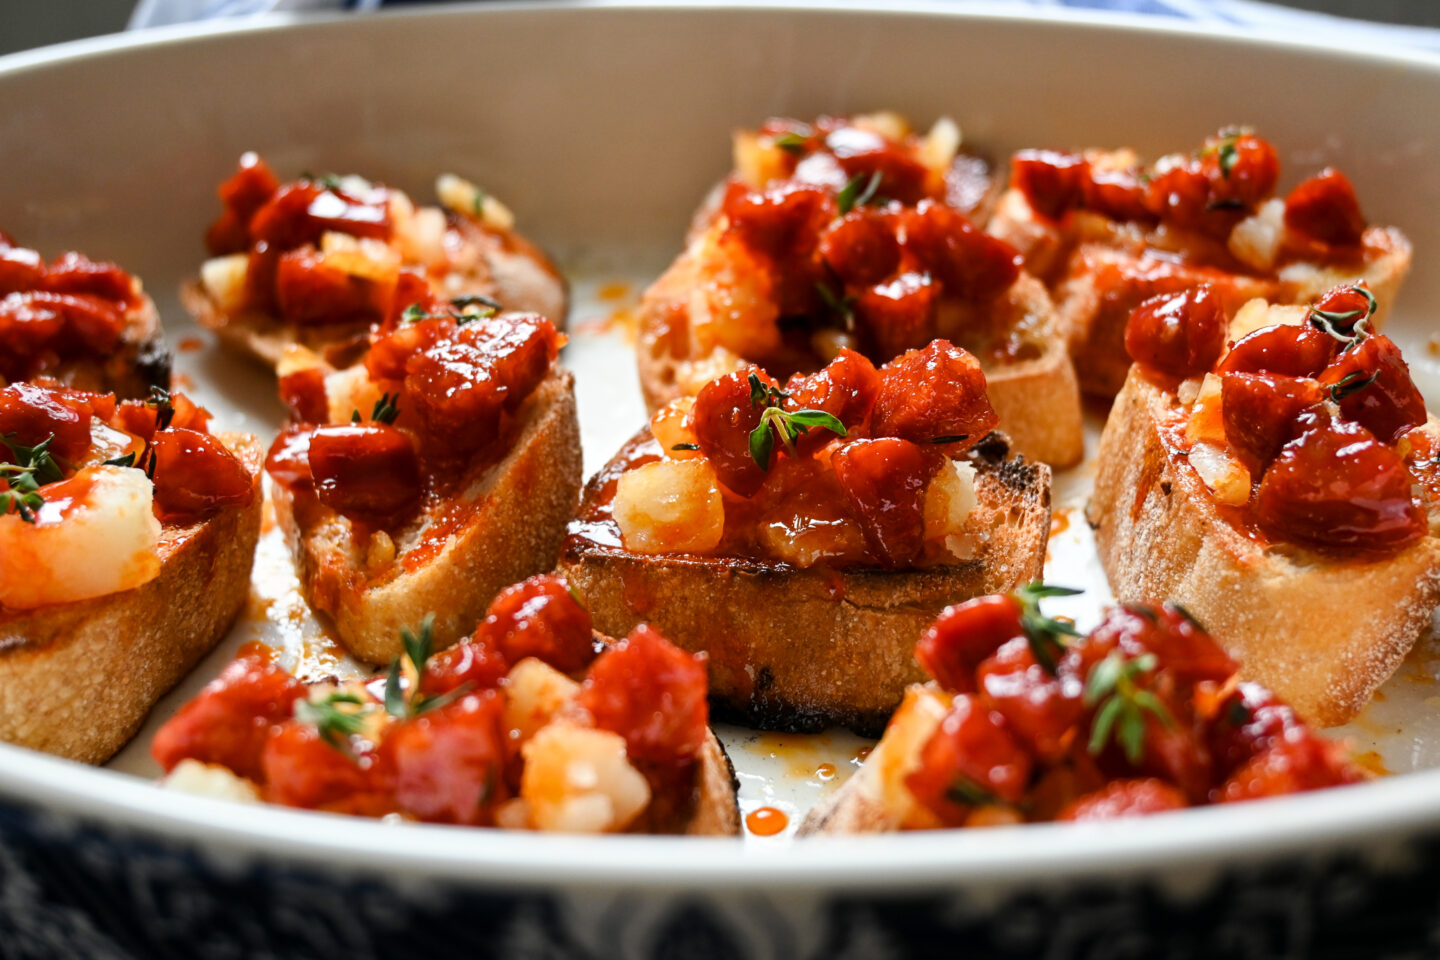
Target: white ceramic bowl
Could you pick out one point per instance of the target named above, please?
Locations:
(602, 125)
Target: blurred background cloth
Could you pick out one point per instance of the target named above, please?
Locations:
(1401, 23)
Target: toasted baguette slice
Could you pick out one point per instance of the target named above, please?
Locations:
(1036, 396)
(805, 648)
(1099, 271)
(1322, 634)
(491, 261)
(504, 527)
(713, 810)
(78, 679)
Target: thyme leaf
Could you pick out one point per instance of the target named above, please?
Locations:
(788, 425)
(1113, 687)
(857, 192)
(1046, 635)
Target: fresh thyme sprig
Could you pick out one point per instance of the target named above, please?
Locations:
(31, 469)
(1350, 327)
(459, 310)
(338, 716)
(1046, 635)
(403, 698)
(787, 424)
(857, 192)
(386, 409)
(967, 793)
(1113, 686)
(839, 303)
(791, 142)
(164, 406)
(1352, 382)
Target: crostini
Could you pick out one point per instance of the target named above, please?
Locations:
(127, 533)
(85, 324)
(443, 467)
(1023, 722)
(803, 536)
(316, 262)
(856, 233)
(1286, 491)
(521, 725)
(1105, 232)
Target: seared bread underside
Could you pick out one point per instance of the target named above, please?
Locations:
(512, 529)
(78, 679)
(801, 649)
(1321, 633)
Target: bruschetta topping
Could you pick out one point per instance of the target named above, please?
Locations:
(458, 737)
(51, 313)
(328, 250)
(81, 475)
(846, 465)
(1302, 425)
(1143, 715)
(439, 387)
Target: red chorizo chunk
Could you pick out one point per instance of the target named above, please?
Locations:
(1259, 412)
(447, 765)
(1293, 763)
(970, 760)
(1181, 334)
(1125, 798)
(365, 471)
(653, 694)
(1373, 383)
(472, 664)
(303, 769)
(1284, 349)
(196, 476)
(725, 414)
(539, 618)
(963, 636)
(30, 414)
(845, 388)
(884, 481)
(934, 395)
(229, 721)
(1325, 208)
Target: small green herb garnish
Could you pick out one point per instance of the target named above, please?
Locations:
(163, 405)
(1347, 326)
(791, 142)
(1352, 382)
(477, 206)
(338, 716)
(857, 192)
(126, 461)
(386, 409)
(31, 468)
(325, 181)
(459, 310)
(1229, 156)
(842, 306)
(686, 446)
(402, 686)
(1046, 635)
(787, 424)
(1113, 686)
(968, 793)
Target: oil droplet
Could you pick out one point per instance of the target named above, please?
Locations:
(255, 648)
(191, 344)
(1059, 522)
(766, 821)
(1372, 762)
(860, 755)
(613, 291)
(826, 771)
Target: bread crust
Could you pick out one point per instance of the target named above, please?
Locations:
(78, 679)
(713, 809)
(520, 509)
(805, 648)
(852, 809)
(1322, 634)
(1038, 399)
(508, 268)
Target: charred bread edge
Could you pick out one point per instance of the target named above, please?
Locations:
(78, 679)
(1322, 634)
(525, 502)
(745, 612)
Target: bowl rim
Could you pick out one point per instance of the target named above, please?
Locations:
(67, 795)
